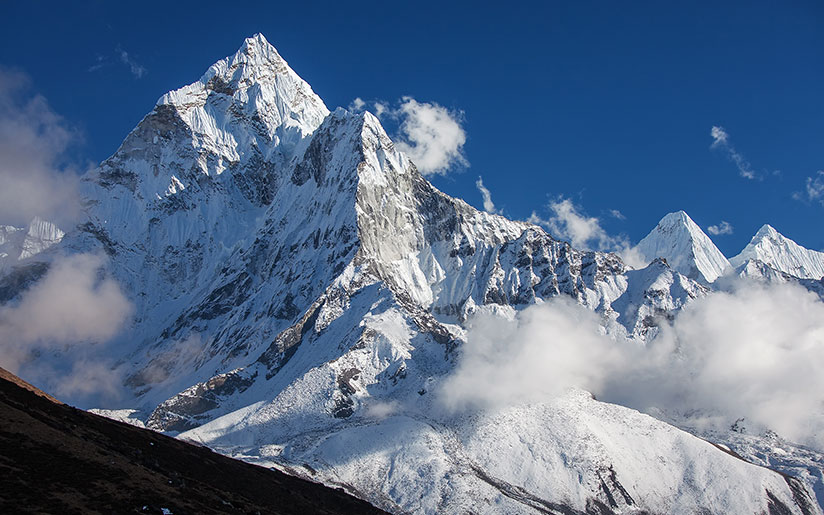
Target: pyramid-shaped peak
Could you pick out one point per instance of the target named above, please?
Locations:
(679, 240)
(773, 248)
(767, 231)
(678, 219)
(256, 50)
(678, 215)
(257, 41)
(255, 64)
(256, 60)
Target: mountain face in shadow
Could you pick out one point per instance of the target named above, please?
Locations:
(57, 459)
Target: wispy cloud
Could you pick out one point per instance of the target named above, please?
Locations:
(721, 140)
(99, 63)
(36, 181)
(617, 214)
(119, 56)
(814, 189)
(137, 69)
(722, 228)
(489, 206)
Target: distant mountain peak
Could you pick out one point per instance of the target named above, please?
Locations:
(687, 249)
(781, 253)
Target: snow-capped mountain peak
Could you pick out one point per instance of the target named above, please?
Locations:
(256, 82)
(687, 249)
(781, 253)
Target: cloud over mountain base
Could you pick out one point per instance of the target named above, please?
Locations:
(752, 353)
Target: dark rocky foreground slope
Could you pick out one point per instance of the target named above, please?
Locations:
(58, 459)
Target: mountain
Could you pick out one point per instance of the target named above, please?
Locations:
(19, 244)
(58, 459)
(302, 294)
(686, 248)
(770, 247)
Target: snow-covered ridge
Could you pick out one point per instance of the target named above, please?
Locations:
(781, 253)
(686, 248)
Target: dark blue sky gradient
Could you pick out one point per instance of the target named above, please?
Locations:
(610, 103)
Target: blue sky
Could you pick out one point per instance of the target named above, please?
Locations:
(608, 104)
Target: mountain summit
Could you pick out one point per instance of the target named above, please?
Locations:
(781, 253)
(686, 248)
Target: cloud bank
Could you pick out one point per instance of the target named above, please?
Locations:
(33, 142)
(755, 353)
(72, 308)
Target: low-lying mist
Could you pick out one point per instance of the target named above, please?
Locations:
(755, 352)
(70, 311)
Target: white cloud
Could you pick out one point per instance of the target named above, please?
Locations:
(617, 214)
(722, 228)
(72, 304)
(356, 105)
(33, 142)
(540, 353)
(721, 140)
(137, 69)
(381, 108)
(719, 136)
(814, 188)
(489, 206)
(585, 232)
(756, 352)
(431, 136)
